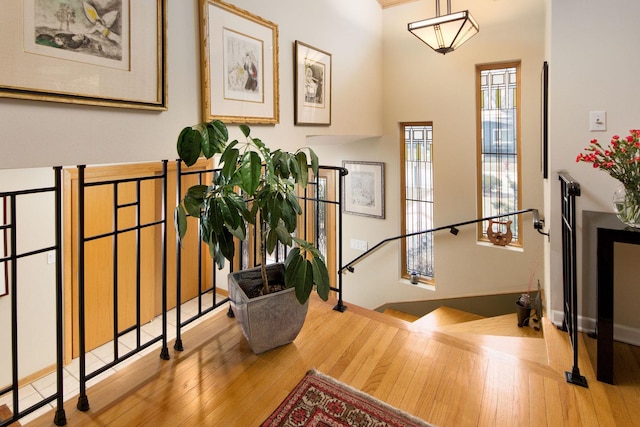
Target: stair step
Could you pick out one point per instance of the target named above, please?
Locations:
(443, 316)
(532, 349)
(505, 325)
(400, 315)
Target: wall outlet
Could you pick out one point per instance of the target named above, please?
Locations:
(359, 245)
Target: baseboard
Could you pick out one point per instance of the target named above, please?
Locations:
(621, 333)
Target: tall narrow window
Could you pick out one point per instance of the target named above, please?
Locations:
(498, 88)
(417, 203)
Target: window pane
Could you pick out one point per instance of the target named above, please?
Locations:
(418, 200)
(499, 145)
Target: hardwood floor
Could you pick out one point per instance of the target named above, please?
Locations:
(443, 379)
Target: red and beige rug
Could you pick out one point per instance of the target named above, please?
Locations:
(319, 400)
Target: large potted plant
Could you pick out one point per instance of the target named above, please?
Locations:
(255, 185)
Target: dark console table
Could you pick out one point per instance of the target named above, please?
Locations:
(602, 230)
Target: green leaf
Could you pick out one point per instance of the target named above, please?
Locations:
(192, 205)
(294, 168)
(303, 176)
(208, 149)
(293, 202)
(240, 232)
(304, 283)
(281, 164)
(293, 254)
(197, 191)
(219, 259)
(225, 244)
(228, 218)
(315, 162)
(272, 213)
(321, 278)
(214, 215)
(220, 134)
(189, 145)
(288, 217)
(180, 219)
(283, 235)
(230, 160)
(246, 130)
(272, 241)
(250, 172)
(291, 266)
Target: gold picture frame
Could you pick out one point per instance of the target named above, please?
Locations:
(312, 87)
(239, 62)
(96, 56)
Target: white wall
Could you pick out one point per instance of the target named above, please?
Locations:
(593, 67)
(36, 277)
(34, 133)
(421, 85)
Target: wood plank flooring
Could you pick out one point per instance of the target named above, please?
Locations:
(445, 380)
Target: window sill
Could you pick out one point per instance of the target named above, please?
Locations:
(425, 286)
(514, 248)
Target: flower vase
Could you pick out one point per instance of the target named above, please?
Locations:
(626, 204)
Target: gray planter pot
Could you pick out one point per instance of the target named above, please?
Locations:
(268, 321)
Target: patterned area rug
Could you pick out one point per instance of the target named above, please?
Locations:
(319, 400)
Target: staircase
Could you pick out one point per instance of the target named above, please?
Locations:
(498, 333)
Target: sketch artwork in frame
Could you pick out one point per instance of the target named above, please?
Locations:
(312, 87)
(364, 189)
(239, 65)
(96, 52)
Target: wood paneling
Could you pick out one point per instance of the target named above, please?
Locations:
(99, 253)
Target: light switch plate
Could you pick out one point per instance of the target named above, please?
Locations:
(597, 120)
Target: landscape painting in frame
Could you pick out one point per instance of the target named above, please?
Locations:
(94, 32)
(108, 53)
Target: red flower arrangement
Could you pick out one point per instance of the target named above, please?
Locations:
(621, 160)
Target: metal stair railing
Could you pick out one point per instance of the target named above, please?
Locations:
(538, 224)
(12, 231)
(569, 190)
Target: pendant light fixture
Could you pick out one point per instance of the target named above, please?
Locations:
(445, 33)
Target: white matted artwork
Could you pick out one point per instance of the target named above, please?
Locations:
(312, 87)
(364, 189)
(239, 62)
(96, 52)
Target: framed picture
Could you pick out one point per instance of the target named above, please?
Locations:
(364, 189)
(96, 52)
(239, 58)
(544, 143)
(312, 86)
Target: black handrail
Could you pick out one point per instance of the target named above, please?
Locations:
(569, 190)
(538, 224)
